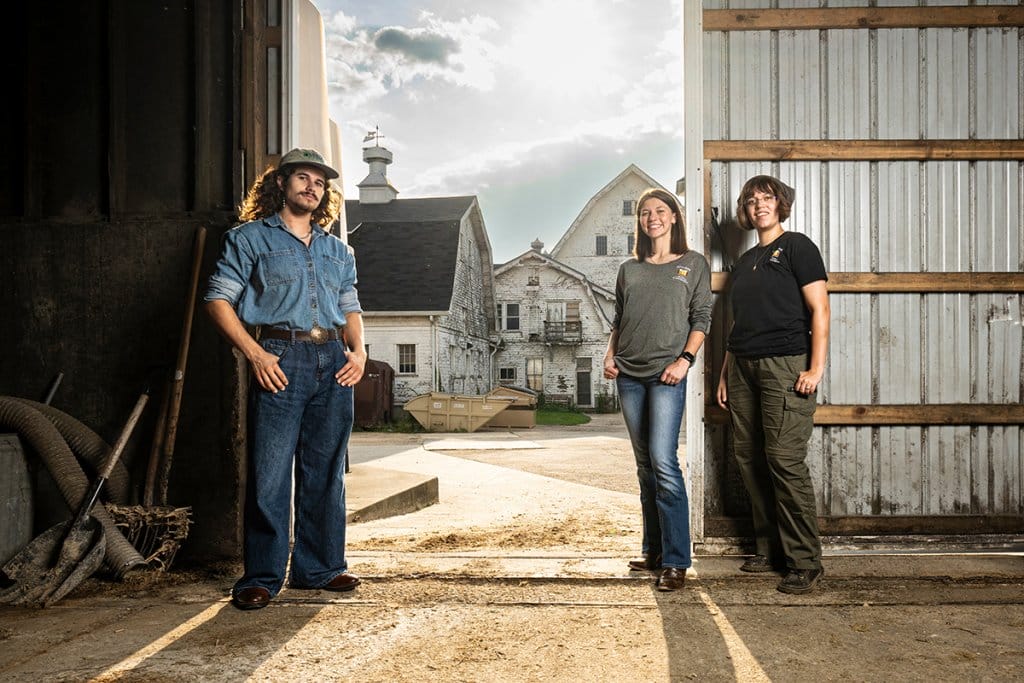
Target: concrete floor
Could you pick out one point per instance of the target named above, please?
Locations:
(518, 573)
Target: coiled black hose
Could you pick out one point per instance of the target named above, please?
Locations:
(46, 440)
(88, 446)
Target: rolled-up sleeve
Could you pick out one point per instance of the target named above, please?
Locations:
(232, 272)
(702, 300)
(348, 299)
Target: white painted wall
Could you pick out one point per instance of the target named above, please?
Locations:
(453, 353)
(384, 333)
(603, 217)
(514, 286)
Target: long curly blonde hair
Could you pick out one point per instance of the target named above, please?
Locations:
(265, 198)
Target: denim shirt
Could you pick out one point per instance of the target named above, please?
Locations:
(271, 278)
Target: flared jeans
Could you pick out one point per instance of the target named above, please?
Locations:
(304, 428)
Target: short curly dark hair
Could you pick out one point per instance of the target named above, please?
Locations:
(768, 185)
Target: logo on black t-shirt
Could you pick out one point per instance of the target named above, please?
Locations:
(774, 258)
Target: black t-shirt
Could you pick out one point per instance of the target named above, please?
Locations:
(769, 313)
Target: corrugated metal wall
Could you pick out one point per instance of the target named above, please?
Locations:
(877, 216)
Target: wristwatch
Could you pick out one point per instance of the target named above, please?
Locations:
(690, 358)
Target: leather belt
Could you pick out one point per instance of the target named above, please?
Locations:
(318, 335)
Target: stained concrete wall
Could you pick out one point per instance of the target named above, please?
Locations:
(122, 144)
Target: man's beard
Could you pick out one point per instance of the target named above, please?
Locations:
(301, 204)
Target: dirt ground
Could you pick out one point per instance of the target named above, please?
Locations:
(518, 574)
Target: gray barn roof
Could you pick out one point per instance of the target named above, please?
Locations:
(406, 252)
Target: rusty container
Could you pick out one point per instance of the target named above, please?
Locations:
(374, 395)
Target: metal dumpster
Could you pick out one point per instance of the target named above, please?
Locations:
(439, 412)
(522, 412)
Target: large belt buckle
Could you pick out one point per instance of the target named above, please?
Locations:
(318, 335)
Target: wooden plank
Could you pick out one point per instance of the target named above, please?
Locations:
(255, 41)
(719, 280)
(957, 525)
(117, 157)
(984, 283)
(903, 283)
(248, 95)
(864, 150)
(861, 18)
(894, 414)
(204, 150)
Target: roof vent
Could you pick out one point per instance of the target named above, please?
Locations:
(375, 188)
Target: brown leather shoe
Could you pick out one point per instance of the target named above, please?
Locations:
(671, 579)
(645, 563)
(342, 582)
(252, 597)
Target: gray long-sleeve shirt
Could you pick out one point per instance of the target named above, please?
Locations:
(656, 308)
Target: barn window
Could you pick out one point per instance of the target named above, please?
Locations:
(407, 359)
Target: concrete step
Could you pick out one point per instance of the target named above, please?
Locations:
(377, 492)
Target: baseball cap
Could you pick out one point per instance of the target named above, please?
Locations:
(307, 157)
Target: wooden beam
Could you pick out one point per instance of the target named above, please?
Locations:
(864, 150)
(861, 18)
(898, 414)
(120, 111)
(927, 283)
(719, 280)
(878, 525)
(905, 283)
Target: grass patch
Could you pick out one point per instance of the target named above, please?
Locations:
(558, 415)
(406, 424)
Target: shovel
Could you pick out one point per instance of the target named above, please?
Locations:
(63, 556)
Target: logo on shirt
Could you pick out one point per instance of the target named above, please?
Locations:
(774, 258)
(681, 274)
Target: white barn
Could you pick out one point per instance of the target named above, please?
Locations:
(554, 311)
(425, 283)
(602, 235)
(553, 324)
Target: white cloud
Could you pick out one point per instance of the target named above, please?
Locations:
(366, 63)
(531, 105)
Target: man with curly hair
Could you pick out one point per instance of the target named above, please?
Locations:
(283, 274)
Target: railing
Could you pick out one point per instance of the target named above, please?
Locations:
(564, 332)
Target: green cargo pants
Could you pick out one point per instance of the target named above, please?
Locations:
(771, 426)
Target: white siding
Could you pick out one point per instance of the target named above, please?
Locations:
(603, 217)
(553, 285)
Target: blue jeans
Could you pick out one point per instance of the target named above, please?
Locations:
(653, 412)
(308, 425)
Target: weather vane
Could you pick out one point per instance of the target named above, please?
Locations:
(373, 135)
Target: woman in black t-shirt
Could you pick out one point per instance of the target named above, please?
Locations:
(772, 369)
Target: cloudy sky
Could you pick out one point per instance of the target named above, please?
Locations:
(530, 105)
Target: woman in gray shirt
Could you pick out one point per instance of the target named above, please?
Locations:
(662, 313)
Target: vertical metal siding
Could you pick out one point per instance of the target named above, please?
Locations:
(848, 74)
(799, 74)
(939, 216)
(751, 70)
